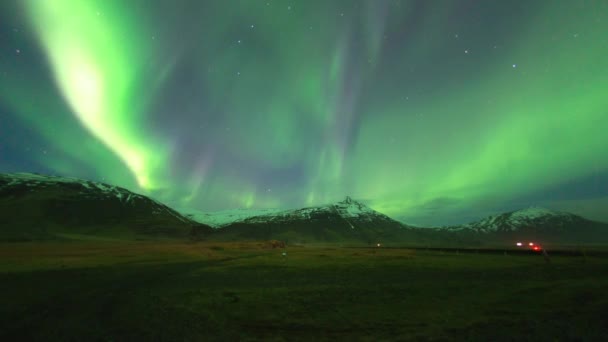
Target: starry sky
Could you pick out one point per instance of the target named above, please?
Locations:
(433, 112)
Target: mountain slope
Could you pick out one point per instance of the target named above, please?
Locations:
(535, 224)
(35, 206)
(345, 221)
(218, 219)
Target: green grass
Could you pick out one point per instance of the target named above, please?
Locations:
(122, 291)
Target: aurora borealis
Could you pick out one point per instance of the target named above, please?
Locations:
(433, 112)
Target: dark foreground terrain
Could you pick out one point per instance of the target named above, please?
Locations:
(124, 291)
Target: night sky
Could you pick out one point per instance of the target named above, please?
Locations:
(433, 112)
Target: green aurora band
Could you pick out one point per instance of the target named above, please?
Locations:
(92, 57)
(319, 95)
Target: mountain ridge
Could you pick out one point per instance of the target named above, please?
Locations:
(346, 220)
(535, 223)
(37, 206)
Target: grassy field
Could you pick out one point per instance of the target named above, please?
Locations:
(171, 291)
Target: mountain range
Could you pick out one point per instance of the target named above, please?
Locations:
(36, 206)
(352, 221)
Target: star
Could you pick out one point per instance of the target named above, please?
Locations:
(318, 104)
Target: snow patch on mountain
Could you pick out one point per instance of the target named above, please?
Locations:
(348, 209)
(221, 218)
(34, 181)
(533, 213)
(351, 211)
(512, 221)
(89, 189)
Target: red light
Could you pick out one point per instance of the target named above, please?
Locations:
(536, 248)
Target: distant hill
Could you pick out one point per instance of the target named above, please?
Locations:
(36, 207)
(534, 224)
(348, 221)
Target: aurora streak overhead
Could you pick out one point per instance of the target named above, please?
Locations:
(433, 112)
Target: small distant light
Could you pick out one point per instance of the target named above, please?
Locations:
(536, 248)
(519, 243)
(378, 245)
(531, 244)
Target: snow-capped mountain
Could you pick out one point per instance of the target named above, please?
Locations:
(349, 210)
(352, 213)
(17, 185)
(33, 201)
(535, 223)
(533, 217)
(347, 220)
(218, 219)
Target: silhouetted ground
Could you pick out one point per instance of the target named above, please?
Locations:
(167, 291)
